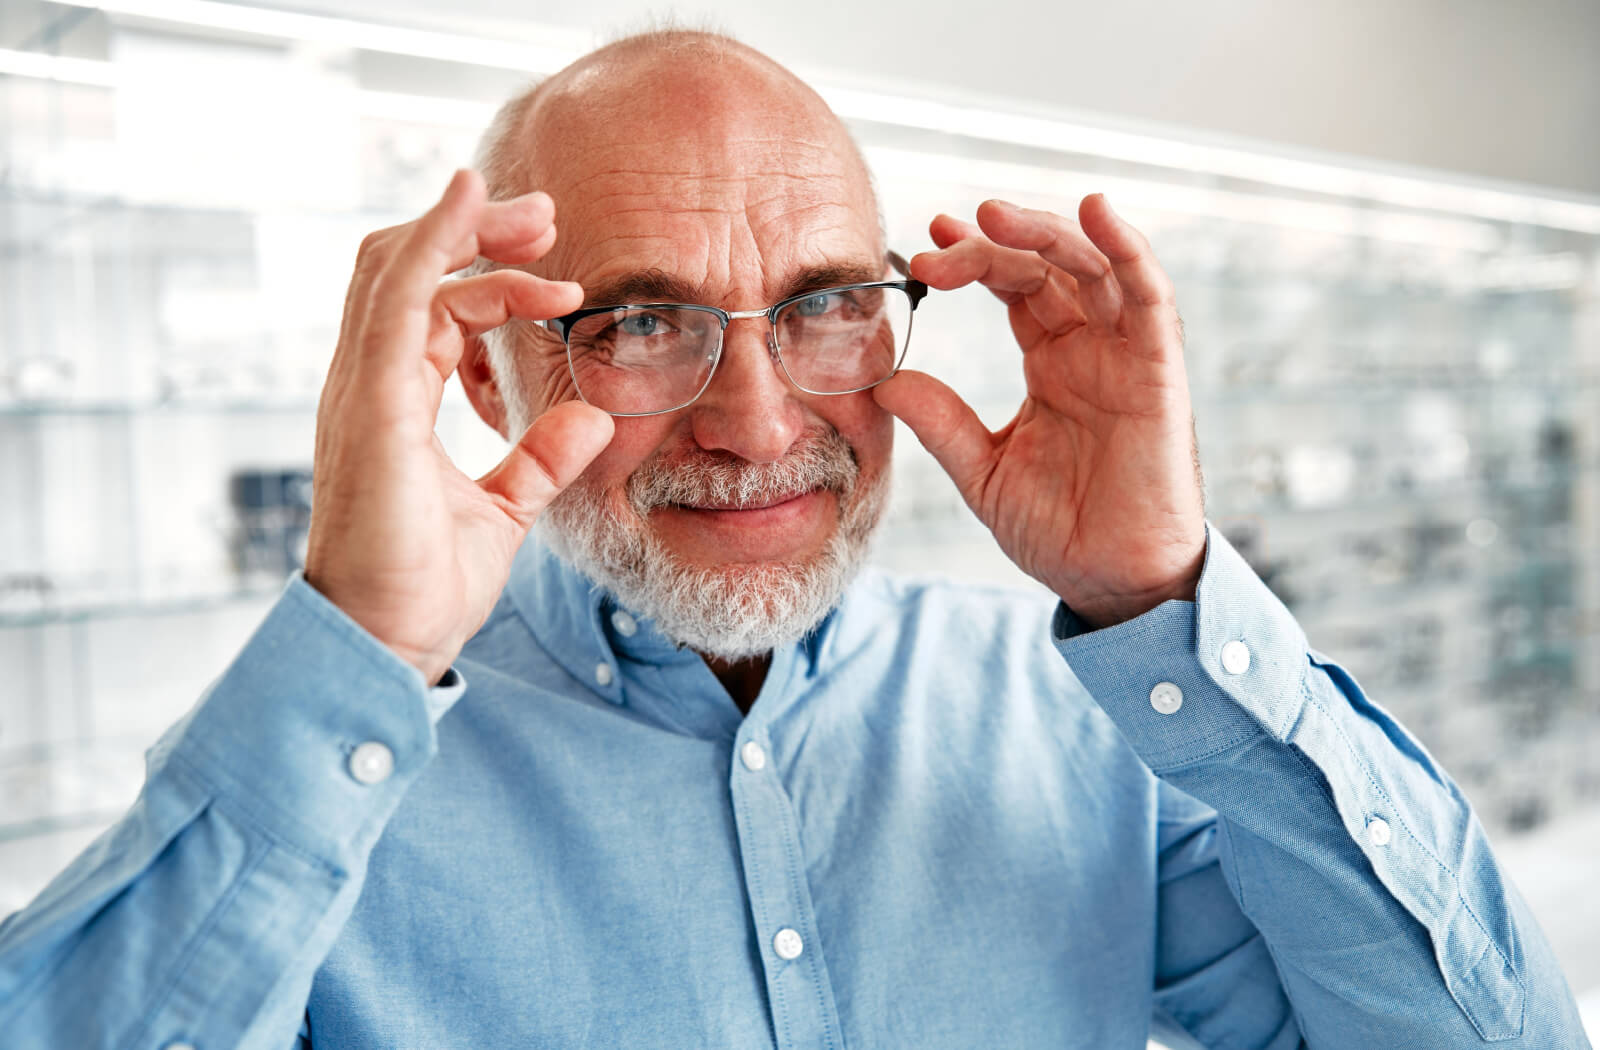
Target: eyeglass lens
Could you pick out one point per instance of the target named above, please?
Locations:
(654, 359)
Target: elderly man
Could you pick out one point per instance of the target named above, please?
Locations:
(693, 780)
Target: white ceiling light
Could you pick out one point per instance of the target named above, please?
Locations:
(54, 67)
(531, 58)
(1416, 191)
(1254, 165)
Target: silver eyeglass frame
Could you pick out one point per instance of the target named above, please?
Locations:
(914, 290)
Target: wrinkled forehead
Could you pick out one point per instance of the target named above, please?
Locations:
(730, 175)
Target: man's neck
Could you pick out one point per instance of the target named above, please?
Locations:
(743, 679)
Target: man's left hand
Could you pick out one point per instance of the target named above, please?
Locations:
(1093, 488)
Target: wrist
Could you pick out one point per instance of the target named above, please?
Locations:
(432, 662)
(1107, 608)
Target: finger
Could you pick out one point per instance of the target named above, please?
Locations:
(397, 305)
(1061, 243)
(431, 244)
(1149, 299)
(1014, 276)
(470, 306)
(946, 425)
(473, 305)
(513, 231)
(947, 230)
(1002, 270)
(548, 457)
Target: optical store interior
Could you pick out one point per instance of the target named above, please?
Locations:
(1383, 226)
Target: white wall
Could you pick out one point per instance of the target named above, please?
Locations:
(1506, 90)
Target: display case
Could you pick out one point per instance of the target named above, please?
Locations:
(1394, 375)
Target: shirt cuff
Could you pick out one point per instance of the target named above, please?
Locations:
(1234, 660)
(316, 729)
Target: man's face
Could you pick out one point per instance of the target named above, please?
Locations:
(729, 191)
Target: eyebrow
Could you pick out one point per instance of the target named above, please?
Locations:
(659, 286)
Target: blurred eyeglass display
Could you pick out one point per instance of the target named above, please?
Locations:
(1395, 382)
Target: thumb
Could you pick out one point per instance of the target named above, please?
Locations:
(946, 425)
(548, 457)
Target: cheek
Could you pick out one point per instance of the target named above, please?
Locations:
(863, 423)
(552, 382)
(633, 442)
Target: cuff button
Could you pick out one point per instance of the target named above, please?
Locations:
(371, 763)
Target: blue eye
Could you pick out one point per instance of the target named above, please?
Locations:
(816, 305)
(639, 325)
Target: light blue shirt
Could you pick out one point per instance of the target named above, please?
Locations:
(931, 831)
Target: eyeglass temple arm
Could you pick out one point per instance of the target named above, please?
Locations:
(914, 288)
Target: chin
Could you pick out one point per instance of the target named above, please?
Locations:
(729, 608)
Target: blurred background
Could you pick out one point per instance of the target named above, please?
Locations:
(1383, 221)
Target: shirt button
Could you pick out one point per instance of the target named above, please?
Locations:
(788, 944)
(755, 760)
(371, 763)
(1378, 832)
(602, 673)
(624, 623)
(1236, 657)
(1166, 698)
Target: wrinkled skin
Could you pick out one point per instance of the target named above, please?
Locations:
(733, 184)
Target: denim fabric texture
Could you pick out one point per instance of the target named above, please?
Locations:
(954, 818)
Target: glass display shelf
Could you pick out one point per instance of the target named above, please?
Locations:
(448, 411)
(41, 607)
(68, 783)
(95, 819)
(64, 200)
(1396, 395)
(176, 406)
(1359, 396)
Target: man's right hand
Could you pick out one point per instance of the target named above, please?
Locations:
(408, 546)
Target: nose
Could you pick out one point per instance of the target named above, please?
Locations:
(750, 409)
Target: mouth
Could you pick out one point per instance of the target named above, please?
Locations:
(768, 504)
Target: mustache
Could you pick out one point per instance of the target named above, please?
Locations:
(820, 459)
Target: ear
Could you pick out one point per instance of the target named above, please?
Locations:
(482, 386)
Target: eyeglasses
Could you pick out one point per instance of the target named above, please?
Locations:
(642, 359)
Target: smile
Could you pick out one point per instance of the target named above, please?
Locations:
(774, 502)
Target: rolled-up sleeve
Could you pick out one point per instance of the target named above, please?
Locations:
(1359, 860)
(201, 916)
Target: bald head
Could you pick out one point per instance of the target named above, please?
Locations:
(703, 82)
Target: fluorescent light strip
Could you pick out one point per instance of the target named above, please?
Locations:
(1131, 193)
(61, 70)
(384, 105)
(1286, 172)
(533, 59)
(1341, 180)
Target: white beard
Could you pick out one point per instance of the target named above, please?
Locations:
(726, 612)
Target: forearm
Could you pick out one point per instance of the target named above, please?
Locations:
(202, 915)
(1354, 855)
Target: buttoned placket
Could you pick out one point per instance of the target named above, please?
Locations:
(798, 990)
(800, 997)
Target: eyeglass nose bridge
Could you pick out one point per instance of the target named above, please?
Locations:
(772, 329)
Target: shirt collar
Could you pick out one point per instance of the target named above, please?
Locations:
(577, 622)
